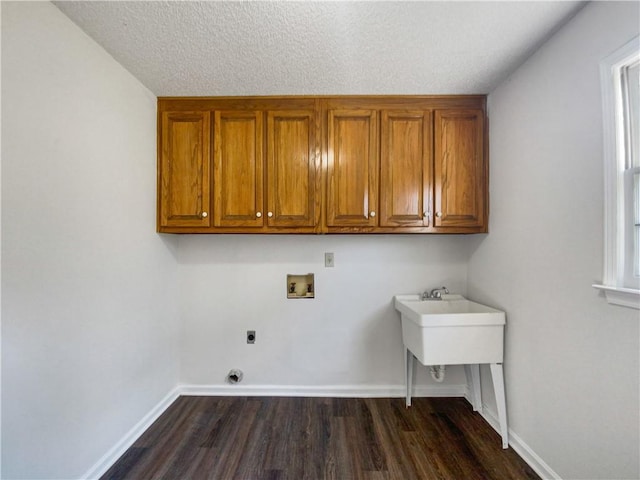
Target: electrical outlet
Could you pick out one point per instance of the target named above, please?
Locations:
(328, 259)
(251, 336)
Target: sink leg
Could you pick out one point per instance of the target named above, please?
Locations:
(473, 380)
(498, 387)
(408, 364)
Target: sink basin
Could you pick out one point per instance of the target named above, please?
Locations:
(451, 310)
(451, 331)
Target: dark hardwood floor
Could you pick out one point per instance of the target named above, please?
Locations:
(319, 438)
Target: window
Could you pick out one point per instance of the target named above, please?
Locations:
(620, 75)
(629, 96)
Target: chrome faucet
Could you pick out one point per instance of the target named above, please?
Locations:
(435, 294)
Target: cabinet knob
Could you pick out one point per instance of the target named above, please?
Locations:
(258, 214)
(438, 214)
(204, 214)
(426, 214)
(373, 214)
(269, 214)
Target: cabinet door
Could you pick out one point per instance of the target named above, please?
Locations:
(405, 168)
(291, 169)
(352, 168)
(238, 169)
(184, 185)
(460, 180)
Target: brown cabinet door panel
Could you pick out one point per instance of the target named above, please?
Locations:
(405, 168)
(291, 169)
(238, 169)
(352, 167)
(459, 168)
(184, 169)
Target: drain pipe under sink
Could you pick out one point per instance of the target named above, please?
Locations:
(437, 372)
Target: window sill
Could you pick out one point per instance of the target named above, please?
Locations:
(626, 297)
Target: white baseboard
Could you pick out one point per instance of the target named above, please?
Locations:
(109, 458)
(521, 448)
(345, 391)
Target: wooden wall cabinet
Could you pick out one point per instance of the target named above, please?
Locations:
(232, 165)
(253, 189)
(379, 164)
(322, 165)
(378, 176)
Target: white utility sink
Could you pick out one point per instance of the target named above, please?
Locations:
(451, 331)
(455, 331)
(449, 311)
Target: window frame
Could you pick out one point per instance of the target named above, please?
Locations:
(615, 206)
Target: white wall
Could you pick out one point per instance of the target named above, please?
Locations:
(348, 336)
(89, 304)
(571, 360)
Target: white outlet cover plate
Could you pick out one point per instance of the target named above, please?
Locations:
(328, 259)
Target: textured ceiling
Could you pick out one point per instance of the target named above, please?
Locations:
(296, 48)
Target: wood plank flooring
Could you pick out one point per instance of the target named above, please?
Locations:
(256, 438)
